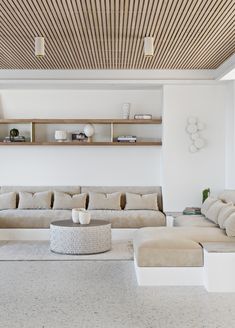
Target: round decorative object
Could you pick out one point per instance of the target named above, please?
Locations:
(89, 130)
(199, 143)
(193, 148)
(191, 128)
(200, 126)
(192, 120)
(60, 135)
(14, 133)
(195, 136)
(67, 237)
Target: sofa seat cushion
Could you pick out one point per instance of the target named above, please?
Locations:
(169, 253)
(150, 244)
(130, 218)
(31, 218)
(193, 221)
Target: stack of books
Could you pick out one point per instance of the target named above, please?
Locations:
(126, 139)
(14, 139)
(192, 211)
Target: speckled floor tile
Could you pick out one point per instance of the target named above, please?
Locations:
(102, 295)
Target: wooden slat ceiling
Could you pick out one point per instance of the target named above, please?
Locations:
(108, 34)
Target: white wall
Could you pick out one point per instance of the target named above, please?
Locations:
(230, 136)
(79, 165)
(185, 175)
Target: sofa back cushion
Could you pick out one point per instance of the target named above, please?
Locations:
(38, 200)
(141, 202)
(123, 189)
(207, 203)
(213, 211)
(7, 201)
(225, 212)
(228, 196)
(34, 189)
(230, 225)
(67, 201)
(102, 201)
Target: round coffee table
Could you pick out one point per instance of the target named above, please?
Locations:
(67, 237)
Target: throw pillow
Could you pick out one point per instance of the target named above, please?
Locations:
(207, 203)
(101, 201)
(213, 212)
(8, 201)
(64, 201)
(230, 225)
(225, 212)
(37, 200)
(141, 202)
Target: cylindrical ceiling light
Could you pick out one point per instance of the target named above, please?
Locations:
(39, 46)
(148, 46)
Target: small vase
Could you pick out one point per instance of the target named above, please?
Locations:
(84, 217)
(60, 135)
(75, 214)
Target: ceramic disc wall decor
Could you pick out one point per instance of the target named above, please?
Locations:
(194, 129)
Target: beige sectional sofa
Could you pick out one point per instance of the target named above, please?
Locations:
(196, 251)
(180, 246)
(41, 218)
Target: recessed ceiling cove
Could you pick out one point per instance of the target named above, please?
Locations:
(109, 34)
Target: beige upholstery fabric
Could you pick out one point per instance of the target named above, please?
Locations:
(147, 241)
(7, 200)
(131, 218)
(123, 190)
(228, 196)
(193, 221)
(38, 200)
(230, 225)
(207, 203)
(103, 201)
(141, 202)
(32, 218)
(33, 189)
(67, 202)
(225, 212)
(42, 218)
(68, 189)
(170, 253)
(213, 211)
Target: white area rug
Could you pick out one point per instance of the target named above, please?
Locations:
(40, 251)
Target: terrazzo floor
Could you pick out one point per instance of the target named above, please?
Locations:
(102, 294)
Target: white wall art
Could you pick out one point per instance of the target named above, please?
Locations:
(194, 128)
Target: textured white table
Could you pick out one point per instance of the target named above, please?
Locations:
(67, 237)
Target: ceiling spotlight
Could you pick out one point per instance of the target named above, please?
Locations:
(39, 46)
(148, 46)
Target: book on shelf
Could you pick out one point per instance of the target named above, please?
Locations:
(14, 139)
(192, 211)
(143, 117)
(126, 138)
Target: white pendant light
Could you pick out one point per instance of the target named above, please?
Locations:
(148, 46)
(39, 46)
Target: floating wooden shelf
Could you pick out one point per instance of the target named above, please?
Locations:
(75, 143)
(81, 121)
(33, 123)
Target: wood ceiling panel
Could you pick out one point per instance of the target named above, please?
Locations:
(108, 34)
